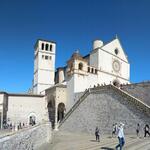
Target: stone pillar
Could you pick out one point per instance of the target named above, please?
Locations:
(56, 121)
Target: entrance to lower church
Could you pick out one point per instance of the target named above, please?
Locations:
(32, 120)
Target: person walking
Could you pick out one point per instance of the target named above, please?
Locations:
(137, 129)
(146, 130)
(121, 137)
(114, 129)
(97, 134)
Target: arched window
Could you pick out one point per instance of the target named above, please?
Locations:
(42, 46)
(80, 66)
(95, 71)
(88, 69)
(46, 47)
(51, 47)
(116, 51)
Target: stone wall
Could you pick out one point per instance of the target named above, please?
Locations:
(139, 90)
(103, 108)
(27, 139)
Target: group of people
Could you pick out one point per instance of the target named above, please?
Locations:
(146, 130)
(13, 126)
(118, 130)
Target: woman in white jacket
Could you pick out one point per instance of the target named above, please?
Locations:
(121, 138)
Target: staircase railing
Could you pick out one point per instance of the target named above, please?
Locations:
(135, 92)
(139, 103)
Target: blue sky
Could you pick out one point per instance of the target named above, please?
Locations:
(73, 24)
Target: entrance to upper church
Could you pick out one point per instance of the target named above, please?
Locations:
(61, 111)
(116, 83)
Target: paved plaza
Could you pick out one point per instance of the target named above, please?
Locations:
(77, 141)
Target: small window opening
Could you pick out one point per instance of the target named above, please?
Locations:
(46, 47)
(42, 46)
(116, 51)
(46, 57)
(51, 47)
(95, 71)
(80, 66)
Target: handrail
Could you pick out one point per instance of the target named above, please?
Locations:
(97, 89)
(135, 91)
(136, 100)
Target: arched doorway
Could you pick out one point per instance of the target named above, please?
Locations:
(116, 83)
(61, 111)
(32, 119)
(51, 110)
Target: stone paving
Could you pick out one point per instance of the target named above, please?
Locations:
(81, 141)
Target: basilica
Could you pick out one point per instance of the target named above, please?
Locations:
(54, 91)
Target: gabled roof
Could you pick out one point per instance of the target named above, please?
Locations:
(112, 45)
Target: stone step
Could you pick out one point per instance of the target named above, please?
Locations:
(74, 141)
(140, 145)
(136, 142)
(93, 146)
(110, 145)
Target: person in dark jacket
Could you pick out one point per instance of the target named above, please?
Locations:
(137, 129)
(97, 134)
(146, 130)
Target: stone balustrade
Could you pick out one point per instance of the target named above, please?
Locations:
(27, 139)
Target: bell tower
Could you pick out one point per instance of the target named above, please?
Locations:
(44, 65)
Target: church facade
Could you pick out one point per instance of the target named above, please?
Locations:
(54, 90)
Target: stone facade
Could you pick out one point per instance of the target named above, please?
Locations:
(19, 108)
(56, 96)
(27, 139)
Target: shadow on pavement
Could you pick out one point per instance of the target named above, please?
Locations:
(107, 148)
(93, 141)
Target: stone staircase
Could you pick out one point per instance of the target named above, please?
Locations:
(101, 105)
